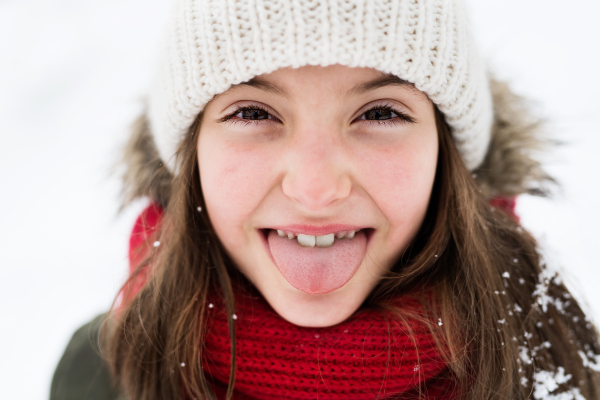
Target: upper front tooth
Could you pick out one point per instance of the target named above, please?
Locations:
(350, 234)
(306, 240)
(290, 235)
(325, 240)
(280, 233)
(341, 235)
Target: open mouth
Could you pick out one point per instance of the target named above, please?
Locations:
(322, 241)
(320, 263)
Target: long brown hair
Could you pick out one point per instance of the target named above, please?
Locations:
(505, 316)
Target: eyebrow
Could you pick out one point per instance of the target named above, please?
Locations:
(267, 86)
(386, 80)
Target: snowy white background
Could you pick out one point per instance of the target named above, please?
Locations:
(72, 74)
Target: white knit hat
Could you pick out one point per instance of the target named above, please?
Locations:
(214, 44)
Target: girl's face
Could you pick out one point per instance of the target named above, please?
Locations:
(340, 160)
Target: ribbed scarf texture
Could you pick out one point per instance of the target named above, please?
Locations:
(368, 356)
(365, 357)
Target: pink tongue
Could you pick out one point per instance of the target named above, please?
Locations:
(317, 270)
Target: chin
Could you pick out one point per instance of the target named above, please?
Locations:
(315, 316)
(316, 310)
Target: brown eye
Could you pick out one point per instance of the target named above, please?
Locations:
(379, 114)
(253, 114)
(385, 115)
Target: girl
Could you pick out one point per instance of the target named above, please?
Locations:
(332, 190)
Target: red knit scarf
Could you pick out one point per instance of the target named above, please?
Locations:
(357, 359)
(368, 356)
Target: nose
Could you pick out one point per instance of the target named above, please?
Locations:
(317, 172)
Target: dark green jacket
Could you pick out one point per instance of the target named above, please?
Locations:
(82, 374)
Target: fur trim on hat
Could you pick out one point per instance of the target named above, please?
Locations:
(145, 174)
(510, 167)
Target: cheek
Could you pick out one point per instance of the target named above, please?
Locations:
(233, 184)
(399, 179)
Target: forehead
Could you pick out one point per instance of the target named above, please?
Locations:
(336, 79)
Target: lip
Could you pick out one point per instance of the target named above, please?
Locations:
(317, 230)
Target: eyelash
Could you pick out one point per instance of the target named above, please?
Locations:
(400, 119)
(230, 118)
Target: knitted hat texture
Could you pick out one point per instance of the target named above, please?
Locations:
(214, 44)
